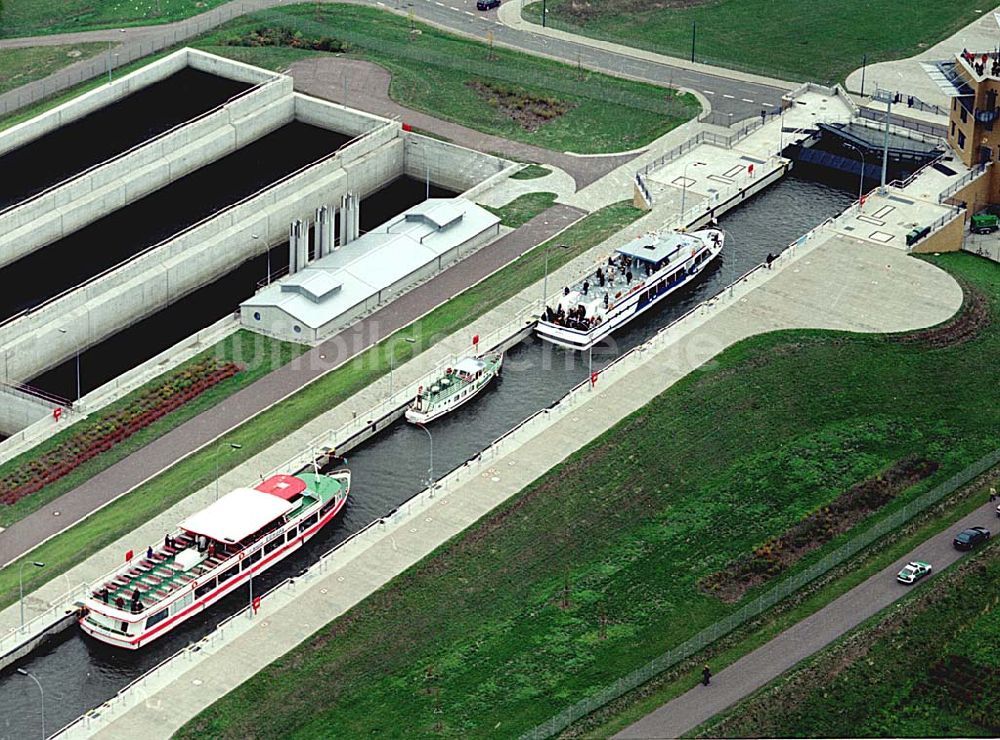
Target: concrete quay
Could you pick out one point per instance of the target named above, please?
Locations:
(795, 293)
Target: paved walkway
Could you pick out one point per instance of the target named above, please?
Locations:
(797, 293)
(208, 426)
(805, 638)
(908, 76)
(368, 90)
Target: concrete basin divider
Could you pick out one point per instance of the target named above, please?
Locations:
(136, 172)
(165, 272)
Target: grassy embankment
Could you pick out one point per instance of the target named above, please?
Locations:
(927, 667)
(523, 208)
(21, 66)
(37, 17)
(531, 172)
(787, 39)
(257, 354)
(196, 471)
(593, 569)
(438, 73)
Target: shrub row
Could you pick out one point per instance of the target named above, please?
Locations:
(103, 433)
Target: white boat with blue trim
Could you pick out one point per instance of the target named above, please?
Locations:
(637, 277)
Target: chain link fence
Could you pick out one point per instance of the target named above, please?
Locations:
(762, 603)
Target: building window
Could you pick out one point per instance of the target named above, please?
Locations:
(964, 114)
(953, 129)
(954, 103)
(297, 329)
(256, 314)
(961, 140)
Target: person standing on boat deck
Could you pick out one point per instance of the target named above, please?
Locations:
(628, 277)
(149, 553)
(586, 287)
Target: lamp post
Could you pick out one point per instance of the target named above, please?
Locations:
(684, 185)
(20, 583)
(545, 279)
(430, 468)
(78, 394)
(232, 446)
(268, 253)
(861, 185)
(41, 691)
(884, 96)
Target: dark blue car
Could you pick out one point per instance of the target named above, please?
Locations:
(969, 538)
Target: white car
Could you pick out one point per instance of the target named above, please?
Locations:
(913, 572)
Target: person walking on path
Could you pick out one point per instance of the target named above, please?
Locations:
(706, 676)
(993, 493)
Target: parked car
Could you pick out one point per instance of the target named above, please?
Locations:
(913, 571)
(487, 4)
(998, 511)
(969, 538)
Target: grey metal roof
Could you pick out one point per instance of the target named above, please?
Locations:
(331, 285)
(656, 246)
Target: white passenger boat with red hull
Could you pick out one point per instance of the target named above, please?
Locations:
(244, 533)
(637, 277)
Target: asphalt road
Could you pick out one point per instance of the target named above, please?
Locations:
(726, 95)
(805, 638)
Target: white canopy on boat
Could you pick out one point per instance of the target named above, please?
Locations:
(470, 365)
(237, 515)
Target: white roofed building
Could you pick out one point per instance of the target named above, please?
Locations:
(334, 290)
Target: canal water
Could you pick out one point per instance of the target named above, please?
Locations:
(113, 129)
(81, 673)
(147, 338)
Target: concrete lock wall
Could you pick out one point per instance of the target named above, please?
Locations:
(88, 102)
(334, 116)
(161, 276)
(83, 200)
(448, 165)
(229, 68)
(19, 410)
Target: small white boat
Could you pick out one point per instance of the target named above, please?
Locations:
(214, 551)
(458, 385)
(638, 276)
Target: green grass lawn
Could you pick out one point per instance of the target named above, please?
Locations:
(531, 172)
(259, 356)
(635, 705)
(21, 66)
(192, 473)
(37, 17)
(431, 72)
(523, 208)
(591, 571)
(788, 39)
(929, 667)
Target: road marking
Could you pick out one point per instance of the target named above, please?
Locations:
(468, 13)
(746, 100)
(727, 96)
(709, 92)
(439, 4)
